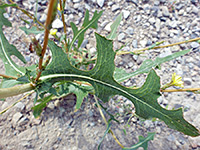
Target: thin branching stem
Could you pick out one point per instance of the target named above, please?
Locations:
(8, 77)
(3, 111)
(102, 115)
(156, 47)
(181, 90)
(46, 36)
(31, 16)
(64, 25)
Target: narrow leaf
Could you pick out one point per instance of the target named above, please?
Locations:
(7, 50)
(3, 20)
(37, 110)
(114, 27)
(105, 133)
(121, 75)
(8, 5)
(79, 34)
(143, 142)
(101, 78)
(32, 30)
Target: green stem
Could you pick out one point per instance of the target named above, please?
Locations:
(16, 90)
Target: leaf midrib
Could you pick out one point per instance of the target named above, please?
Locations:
(8, 59)
(104, 83)
(74, 39)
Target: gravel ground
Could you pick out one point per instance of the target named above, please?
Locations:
(144, 22)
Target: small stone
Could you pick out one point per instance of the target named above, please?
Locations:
(107, 27)
(152, 20)
(16, 117)
(57, 24)
(162, 1)
(165, 11)
(43, 18)
(181, 12)
(157, 25)
(110, 3)
(158, 130)
(51, 105)
(115, 8)
(84, 43)
(6, 15)
(134, 43)
(126, 13)
(149, 43)
(173, 24)
(171, 138)
(57, 103)
(130, 31)
(195, 10)
(35, 121)
(121, 36)
(167, 52)
(27, 58)
(177, 106)
(92, 50)
(100, 3)
(156, 3)
(77, 1)
(148, 123)
(194, 45)
(187, 81)
(180, 6)
(20, 105)
(136, 2)
(23, 121)
(143, 43)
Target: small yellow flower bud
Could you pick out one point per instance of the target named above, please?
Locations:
(53, 31)
(58, 7)
(177, 80)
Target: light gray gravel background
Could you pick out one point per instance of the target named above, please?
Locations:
(144, 23)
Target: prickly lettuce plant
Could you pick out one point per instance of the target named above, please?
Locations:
(57, 76)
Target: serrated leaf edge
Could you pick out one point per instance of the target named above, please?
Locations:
(9, 61)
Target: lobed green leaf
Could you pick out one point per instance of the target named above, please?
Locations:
(143, 142)
(101, 78)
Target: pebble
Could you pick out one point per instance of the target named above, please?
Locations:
(115, 8)
(100, 3)
(16, 117)
(20, 105)
(171, 138)
(28, 58)
(57, 23)
(195, 45)
(107, 27)
(136, 2)
(143, 43)
(43, 18)
(126, 13)
(121, 36)
(130, 31)
(152, 20)
(165, 11)
(195, 10)
(134, 44)
(85, 42)
(157, 25)
(187, 81)
(77, 1)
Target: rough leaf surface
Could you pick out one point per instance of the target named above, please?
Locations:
(101, 78)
